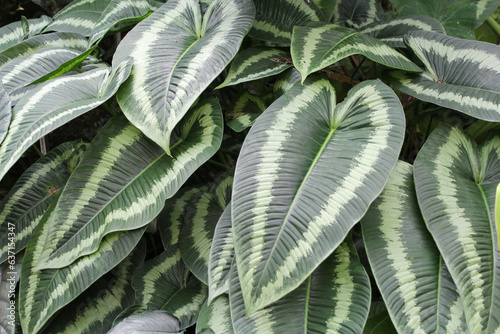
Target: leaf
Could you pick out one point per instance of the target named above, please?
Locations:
(275, 19)
(256, 63)
(285, 81)
(150, 322)
(10, 272)
(327, 7)
(335, 298)
(392, 32)
(123, 181)
(356, 13)
(244, 110)
(459, 74)
(13, 33)
(456, 181)
(198, 227)
(215, 317)
(42, 293)
(5, 111)
(316, 47)
(178, 54)
(485, 8)
(29, 198)
(285, 166)
(497, 216)
(416, 286)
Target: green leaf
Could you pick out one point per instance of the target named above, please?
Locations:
(320, 45)
(13, 33)
(392, 32)
(275, 19)
(456, 181)
(5, 111)
(49, 106)
(215, 317)
(244, 110)
(10, 273)
(285, 166)
(356, 13)
(176, 53)
(485, 8)
(256, 63)
(335, 298)
(327, 7)
(38, 186)
(123, 181)
(285, 81)
(497, 216)
(44, 292)
(416, 286)
(474, 89)
(149, 322)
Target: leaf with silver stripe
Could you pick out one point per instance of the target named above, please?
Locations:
(244, 110)
(456, 181)
(43, 293)
(356, 13)
(408, 268)
(215, 317)
(176, 53)
(149, 322)
(123, 181)
(5, 111)
(335, 298)
(38, 186)
(13, 33)
(290, 208)
(285, 81)
(320, 45)
(49, 106)
(459, 74)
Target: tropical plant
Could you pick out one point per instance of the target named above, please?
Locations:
(251, 166)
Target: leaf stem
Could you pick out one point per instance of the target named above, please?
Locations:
(494, 25)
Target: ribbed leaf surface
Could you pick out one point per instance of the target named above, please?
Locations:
(176, 53)
(123, 181)
(408, 268)
(356, 13)
(335, 298)
(13, 33)
(256, 63)
(10, 273)
(49, 106)
(320, 45)
(459, 74)
(5, 111)
(456, 181)
(29, 198)
(149, 322)
(216, 317)
(285, 166)
(275, 19)
(44, 292)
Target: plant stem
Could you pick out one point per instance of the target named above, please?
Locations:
(494, 25)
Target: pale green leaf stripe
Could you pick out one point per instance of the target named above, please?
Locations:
(285, 81)
(9, 275)
(335, 298)
(275, 19)
(244, 110)
(102, 196)
(26, 202)
(5, 111)
(392, 32)
(320, 45)
(456, 182)
(277, 248)
(356, 14)
(256, 63)
(42, 293)
(395, 236)
(215, 317)
(49, 106)
(485, 8)
(327, 7)
(13, 33)
(176, 53)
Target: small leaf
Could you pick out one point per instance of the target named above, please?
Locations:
(150, 322)
(215, 317)
(13, 33)
(244, 110)
(356, 13)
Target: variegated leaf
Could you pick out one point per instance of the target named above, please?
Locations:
(327, 7)
(285, 166)
(275, 19)
(356, 13)
(408, 268)
(13, 33)
(5, 111)
(198, 227)
(485, 8)
(456, 181)
(392, 32)
(149, 322)
(44, 292)
(459, 74)
(317, 46)
(10, 273)
(94, 310)
(244, 110)
(221, 256)
(497, 216)
(176, 53)
(215, 317)
(49, 106)
(123, 181)
(256, 63)
(285, 81)
(335, 298)
(38, 186)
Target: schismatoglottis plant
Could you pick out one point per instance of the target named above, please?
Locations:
(250, 166)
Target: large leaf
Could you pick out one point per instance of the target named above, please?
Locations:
(335, 298)
(149, 322)
(13, 33)
(176, 53)
(416, 286)
(44, 292)
(456, 181)
(459, 74)
(5, 111)
(10, 273)
(306, 174)
(49, 106)
(123, 181)
(38, 186)
(320, 45)
(356, 13)
(275, 19)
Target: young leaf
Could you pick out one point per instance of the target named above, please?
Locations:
(285, 81)
(244, 110)
(176, 53)
(13, 33)
(285, 166)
